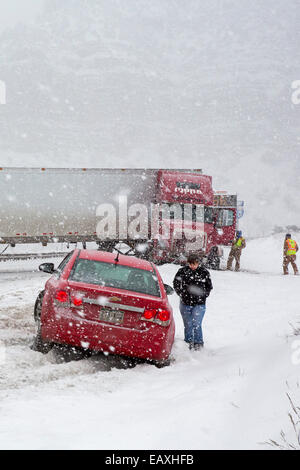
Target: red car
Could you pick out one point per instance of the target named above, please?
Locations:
(101, 301)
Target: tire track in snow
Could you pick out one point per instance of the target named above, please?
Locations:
(26, 368)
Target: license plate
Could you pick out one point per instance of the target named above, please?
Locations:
(111, 316)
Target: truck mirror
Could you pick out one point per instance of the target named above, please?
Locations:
(47, 268)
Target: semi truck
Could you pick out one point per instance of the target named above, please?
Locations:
(156, 213)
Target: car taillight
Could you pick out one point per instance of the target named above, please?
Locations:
(163, 315)
(160, 316)
(77, 301)
(62, 296)
(149, 314)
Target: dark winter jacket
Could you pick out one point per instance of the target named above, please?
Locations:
(193, 287)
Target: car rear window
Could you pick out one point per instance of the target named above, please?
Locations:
(115, 275)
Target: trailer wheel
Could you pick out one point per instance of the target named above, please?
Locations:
(39, 344)
(213, 259)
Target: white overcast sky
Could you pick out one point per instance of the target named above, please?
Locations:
(17, 11)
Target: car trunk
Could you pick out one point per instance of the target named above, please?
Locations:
(110, 305)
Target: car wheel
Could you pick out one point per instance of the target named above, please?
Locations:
(162, 363)
(39, 344)
(67, 353)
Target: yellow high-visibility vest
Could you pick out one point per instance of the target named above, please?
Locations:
(239, 242)
(291, 247)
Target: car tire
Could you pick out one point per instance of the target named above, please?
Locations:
(39, 344)
(162, 363)
(66, 353)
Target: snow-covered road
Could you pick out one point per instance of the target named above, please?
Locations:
(232, 394)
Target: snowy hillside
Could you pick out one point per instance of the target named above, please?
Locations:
(156, 83)
(232, 394)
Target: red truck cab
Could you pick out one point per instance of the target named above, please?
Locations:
(190, 207)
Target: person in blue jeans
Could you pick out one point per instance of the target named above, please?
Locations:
(193, 285)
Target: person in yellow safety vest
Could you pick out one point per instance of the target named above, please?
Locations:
(236, 250)
(290, 249)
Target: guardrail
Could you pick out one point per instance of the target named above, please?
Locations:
(24, 256)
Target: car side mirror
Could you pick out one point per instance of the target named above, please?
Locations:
(169, 290)
(47, 268)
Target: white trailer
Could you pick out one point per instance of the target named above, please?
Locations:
(59, 205)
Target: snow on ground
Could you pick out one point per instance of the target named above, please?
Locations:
(232, 394)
